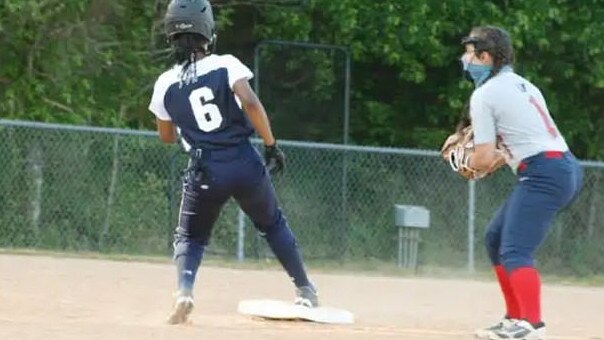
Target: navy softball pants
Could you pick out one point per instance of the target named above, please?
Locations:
(546, 183)
(237, 172)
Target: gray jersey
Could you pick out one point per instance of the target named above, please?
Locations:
(514, 109)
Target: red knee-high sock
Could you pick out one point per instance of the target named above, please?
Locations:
(511, 303)
(526, 285)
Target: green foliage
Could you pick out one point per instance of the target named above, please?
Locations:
(407, 83)
(84, 62)
(94, 62)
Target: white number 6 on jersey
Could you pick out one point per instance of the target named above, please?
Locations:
(207, 115)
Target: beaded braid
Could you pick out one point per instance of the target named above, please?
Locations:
(185, 50)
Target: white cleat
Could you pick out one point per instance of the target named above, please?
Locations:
(182, 308)
(485, 333)
(520, 330)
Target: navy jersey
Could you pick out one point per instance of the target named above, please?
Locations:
(206, 112)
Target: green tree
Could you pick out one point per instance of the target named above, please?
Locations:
(408, 89)
(94, 62)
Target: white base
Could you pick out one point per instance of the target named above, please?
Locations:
(282, 310)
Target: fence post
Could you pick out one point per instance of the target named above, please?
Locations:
(345, 141)
(471, 221)
(240, 236)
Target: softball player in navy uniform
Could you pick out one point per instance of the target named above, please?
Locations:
(507, 105)
(209, 99)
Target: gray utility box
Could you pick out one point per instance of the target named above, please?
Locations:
(409, 219)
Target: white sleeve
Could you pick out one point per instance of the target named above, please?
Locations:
(157, 99)
(237, 70)
(483, 120)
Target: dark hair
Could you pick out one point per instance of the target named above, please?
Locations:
(494, 40)
(185, 50)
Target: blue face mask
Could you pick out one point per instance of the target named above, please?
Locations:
(476, 73)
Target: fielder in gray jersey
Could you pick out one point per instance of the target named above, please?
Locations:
(513, 108)
(549, 177)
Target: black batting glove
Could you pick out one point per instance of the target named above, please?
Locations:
(274, 159)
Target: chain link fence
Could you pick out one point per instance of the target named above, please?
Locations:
(117, 191)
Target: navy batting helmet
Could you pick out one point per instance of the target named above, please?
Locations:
(190, 16)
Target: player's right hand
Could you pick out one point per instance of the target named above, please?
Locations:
(274, 158)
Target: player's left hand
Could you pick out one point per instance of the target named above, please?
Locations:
(274, 158)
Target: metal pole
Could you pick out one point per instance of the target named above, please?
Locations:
(400, 247)
(345, 141)
(408, 246)
(471, 220)
(257, 69)
(241, 236)
(415, 249)
(347, 97)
